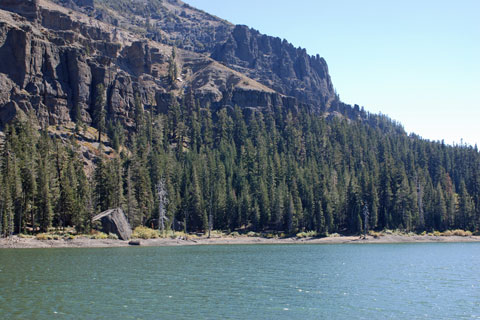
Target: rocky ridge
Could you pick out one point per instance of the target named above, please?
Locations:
(54, 58)
(271, 61)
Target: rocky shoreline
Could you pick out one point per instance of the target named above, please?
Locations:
(16, 242)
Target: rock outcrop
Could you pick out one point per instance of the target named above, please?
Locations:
(54, 59)
(278, 65)
(271, 61)
(115, 222)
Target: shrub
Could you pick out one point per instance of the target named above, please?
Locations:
(178, 234)
(234, 234)
(252, 234)
(144, 233)
(216, 233)
(69, 237)
(308, 234)
(42, 236)
(25, 236)
(375, 234)
(48, 236)
(461, 233)
(112, 236)
(99, 236)
(183, 235)
(269, 235)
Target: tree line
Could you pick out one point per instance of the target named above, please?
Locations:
(279, 169)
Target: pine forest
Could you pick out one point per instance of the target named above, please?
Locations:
(241, 169)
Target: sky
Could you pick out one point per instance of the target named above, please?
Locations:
(417, 61)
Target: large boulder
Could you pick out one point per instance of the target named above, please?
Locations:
(114, 221)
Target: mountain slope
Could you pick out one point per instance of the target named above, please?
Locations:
(55, 59)
(271, 61)
(243, 130)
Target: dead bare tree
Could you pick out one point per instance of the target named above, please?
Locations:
(210, 219)
(162, 195)
(366, 214)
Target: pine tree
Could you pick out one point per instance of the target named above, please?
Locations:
(172, 67)
(195, 207)
(99, 112)
(206, 128)
(289, 214)
(132, 205)
(320, 223)
(67, 201)
(28, 180)
(116, 181)
(440, 209)
(264, 204)
(43, 196)
(277, 210)
(354, 208)
(103, 191)
(83, 212)
(465, 208)
(142, 186)
(139, 114)
(7, 213)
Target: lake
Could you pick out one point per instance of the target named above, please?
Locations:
(362, 281)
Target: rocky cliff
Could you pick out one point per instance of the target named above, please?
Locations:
(54, 59)
(278, 65)
(271, 61)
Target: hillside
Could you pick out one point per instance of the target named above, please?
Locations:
(102, 101)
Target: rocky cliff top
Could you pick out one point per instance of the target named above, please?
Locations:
(55, 58)
(59, 59)
(271, 61)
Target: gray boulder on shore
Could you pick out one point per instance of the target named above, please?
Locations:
(114, 221)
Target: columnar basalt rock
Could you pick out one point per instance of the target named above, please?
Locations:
(53, 59)
(277, 64)
(271, 61)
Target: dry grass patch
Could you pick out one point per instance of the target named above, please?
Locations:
(375, 234)
(144, 233)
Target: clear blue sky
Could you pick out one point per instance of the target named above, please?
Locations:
(415, 61)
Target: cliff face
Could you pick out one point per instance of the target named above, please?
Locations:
(277, 64)
(53, 60)
(271, 61)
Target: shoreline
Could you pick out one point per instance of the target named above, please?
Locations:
(16, 242)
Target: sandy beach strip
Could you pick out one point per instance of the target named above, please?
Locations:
(83, 242)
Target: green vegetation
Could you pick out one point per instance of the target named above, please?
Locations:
(254, 172)
(309, 234)
(99, 235)
(112, 236)
(375, 234)
(144, 233)
(457, 232)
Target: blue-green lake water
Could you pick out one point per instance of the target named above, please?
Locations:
(370, 281)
